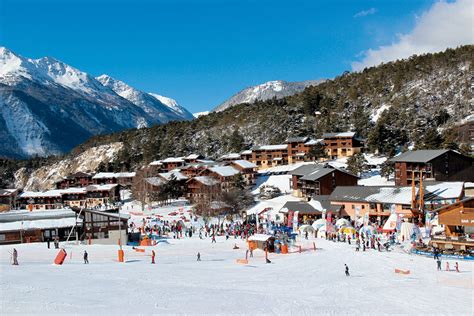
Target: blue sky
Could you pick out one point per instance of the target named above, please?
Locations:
(202, 52)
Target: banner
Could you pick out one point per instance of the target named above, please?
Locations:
(290, 219)
(295, 221)
(366, 218)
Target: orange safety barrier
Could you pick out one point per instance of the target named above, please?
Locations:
(139, 250)
(242, 261)
(60, 257)
(284, 249)
(120, 255)
(400, 271)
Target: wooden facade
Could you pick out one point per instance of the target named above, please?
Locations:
(78, 179)
(339, 145)
(448, 165)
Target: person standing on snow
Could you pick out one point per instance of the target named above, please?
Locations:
(213, 238)
(347, 270)
(456, 266)
(86, 257)
(153, 257)
(447, 266)
(15, 257)
(198, 257)
(438, 262)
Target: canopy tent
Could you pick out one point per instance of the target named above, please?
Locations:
(342, 222)
(306, 228)
(319, 223)
(407, 230)
(347, 230)
(390, 224)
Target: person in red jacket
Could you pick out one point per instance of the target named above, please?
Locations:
(153, 257)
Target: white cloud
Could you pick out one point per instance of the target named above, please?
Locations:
(445, 24)
(365, 12)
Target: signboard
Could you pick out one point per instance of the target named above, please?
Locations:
(290, 219)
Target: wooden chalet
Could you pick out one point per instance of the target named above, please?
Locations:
(102, 195)
(201, 186)
(439, 165)
(247, 169)
(339, 145)
(8, 199)
(102, 227)
(316, 179)
(458, 221)
(122, 178)
(78, 179)
(193, 158)
(224, 174)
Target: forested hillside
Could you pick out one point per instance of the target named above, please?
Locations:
(412, 102)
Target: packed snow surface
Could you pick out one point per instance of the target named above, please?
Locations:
(307, 283)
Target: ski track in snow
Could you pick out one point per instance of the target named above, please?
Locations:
(309, 283)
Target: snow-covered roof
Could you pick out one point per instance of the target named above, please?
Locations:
(192, 156)
(155, 181)
(206, 180)
(25, 220)
(102, 187)
(225, 171)
(259, 237)
(277, 158)
(230, 156)
(273, 147)
(31, 194)
(155, 163)
(343, 134)
(312, 142)
(246, 152)
(110, 175)
(173, 160)
(39, 224)
(244, 163)
(7, 192)
(178, 175)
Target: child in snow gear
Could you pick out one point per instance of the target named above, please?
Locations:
(456, 266)
(439, 264)
(15, 257)
(347, 270)
(86, 257)
(447, 266)
(198, 256)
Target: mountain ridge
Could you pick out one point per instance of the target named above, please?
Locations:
(49, 107)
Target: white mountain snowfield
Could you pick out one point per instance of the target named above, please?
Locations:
(265, 91)
(48, 107)
(307, 283)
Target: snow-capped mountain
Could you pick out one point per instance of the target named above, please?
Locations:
(48, 107)
(162, 108)
(265, 91)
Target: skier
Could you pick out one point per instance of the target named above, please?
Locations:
(306, 235)
(56, 242)
(447, 266)
(198, 257)
(15, 257)
(439, 264)
(347, 270)
(48, 241)
(357, 246)
(86, 257)
(213, 238)
(153, 257)
(456, 266)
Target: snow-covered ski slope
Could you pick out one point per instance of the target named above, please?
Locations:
(309, 283)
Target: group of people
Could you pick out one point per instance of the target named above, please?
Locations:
(436, 256)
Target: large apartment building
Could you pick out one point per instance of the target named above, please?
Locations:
(340, 145)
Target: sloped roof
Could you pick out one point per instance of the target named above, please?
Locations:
(297, 139)
(178, 175)
(244, 163)
(246, 152)
(206, 180)
(303, 207)
(342, 134)
(273, 147)
(423, 156)
(172, 160)
(155, 181)
(312, 142)
(225, 171)
(304, 169)
(8, 192)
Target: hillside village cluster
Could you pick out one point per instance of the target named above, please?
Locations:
(432, 191)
